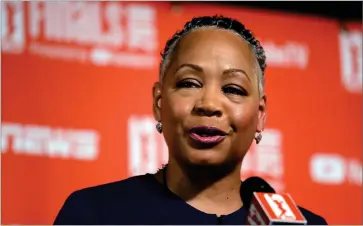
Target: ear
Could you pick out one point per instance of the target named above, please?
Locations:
(157, 101)
(262, 114)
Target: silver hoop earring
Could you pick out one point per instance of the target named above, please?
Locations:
(159, 127)
(258, 138)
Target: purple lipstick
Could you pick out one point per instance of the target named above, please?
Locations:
(207, 135)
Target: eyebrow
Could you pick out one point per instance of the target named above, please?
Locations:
(200, 69)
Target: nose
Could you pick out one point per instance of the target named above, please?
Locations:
(209, 103)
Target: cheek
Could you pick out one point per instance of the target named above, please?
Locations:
(245, 117)
(177, 108)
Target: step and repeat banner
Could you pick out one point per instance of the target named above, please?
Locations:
(76, 103)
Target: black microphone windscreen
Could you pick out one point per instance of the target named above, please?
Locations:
(251, 185)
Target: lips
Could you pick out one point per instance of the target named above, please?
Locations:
(207, 135)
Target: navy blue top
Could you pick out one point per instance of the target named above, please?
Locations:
(143, 200)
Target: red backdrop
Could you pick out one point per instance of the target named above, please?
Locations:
(76, 103)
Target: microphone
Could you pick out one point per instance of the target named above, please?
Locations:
(265, 207)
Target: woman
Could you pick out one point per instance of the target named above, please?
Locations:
(210, 105)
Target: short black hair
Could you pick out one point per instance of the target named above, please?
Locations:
(222, 23)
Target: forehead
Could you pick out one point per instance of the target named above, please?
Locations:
(218, 47)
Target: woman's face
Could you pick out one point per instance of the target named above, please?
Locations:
(209, 103)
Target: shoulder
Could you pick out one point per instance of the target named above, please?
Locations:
(312, 218)
(136, 184)
(84, 206)
(126, 188)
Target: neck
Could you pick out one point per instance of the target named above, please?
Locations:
(211, 189)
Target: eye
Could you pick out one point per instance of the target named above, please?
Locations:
(187, 84)
(234, 90)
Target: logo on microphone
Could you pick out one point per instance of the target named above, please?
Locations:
(254, 217)
(280, 207)
(274, 208)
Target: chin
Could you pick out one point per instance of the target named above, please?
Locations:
(206, 158)
(211, 163)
